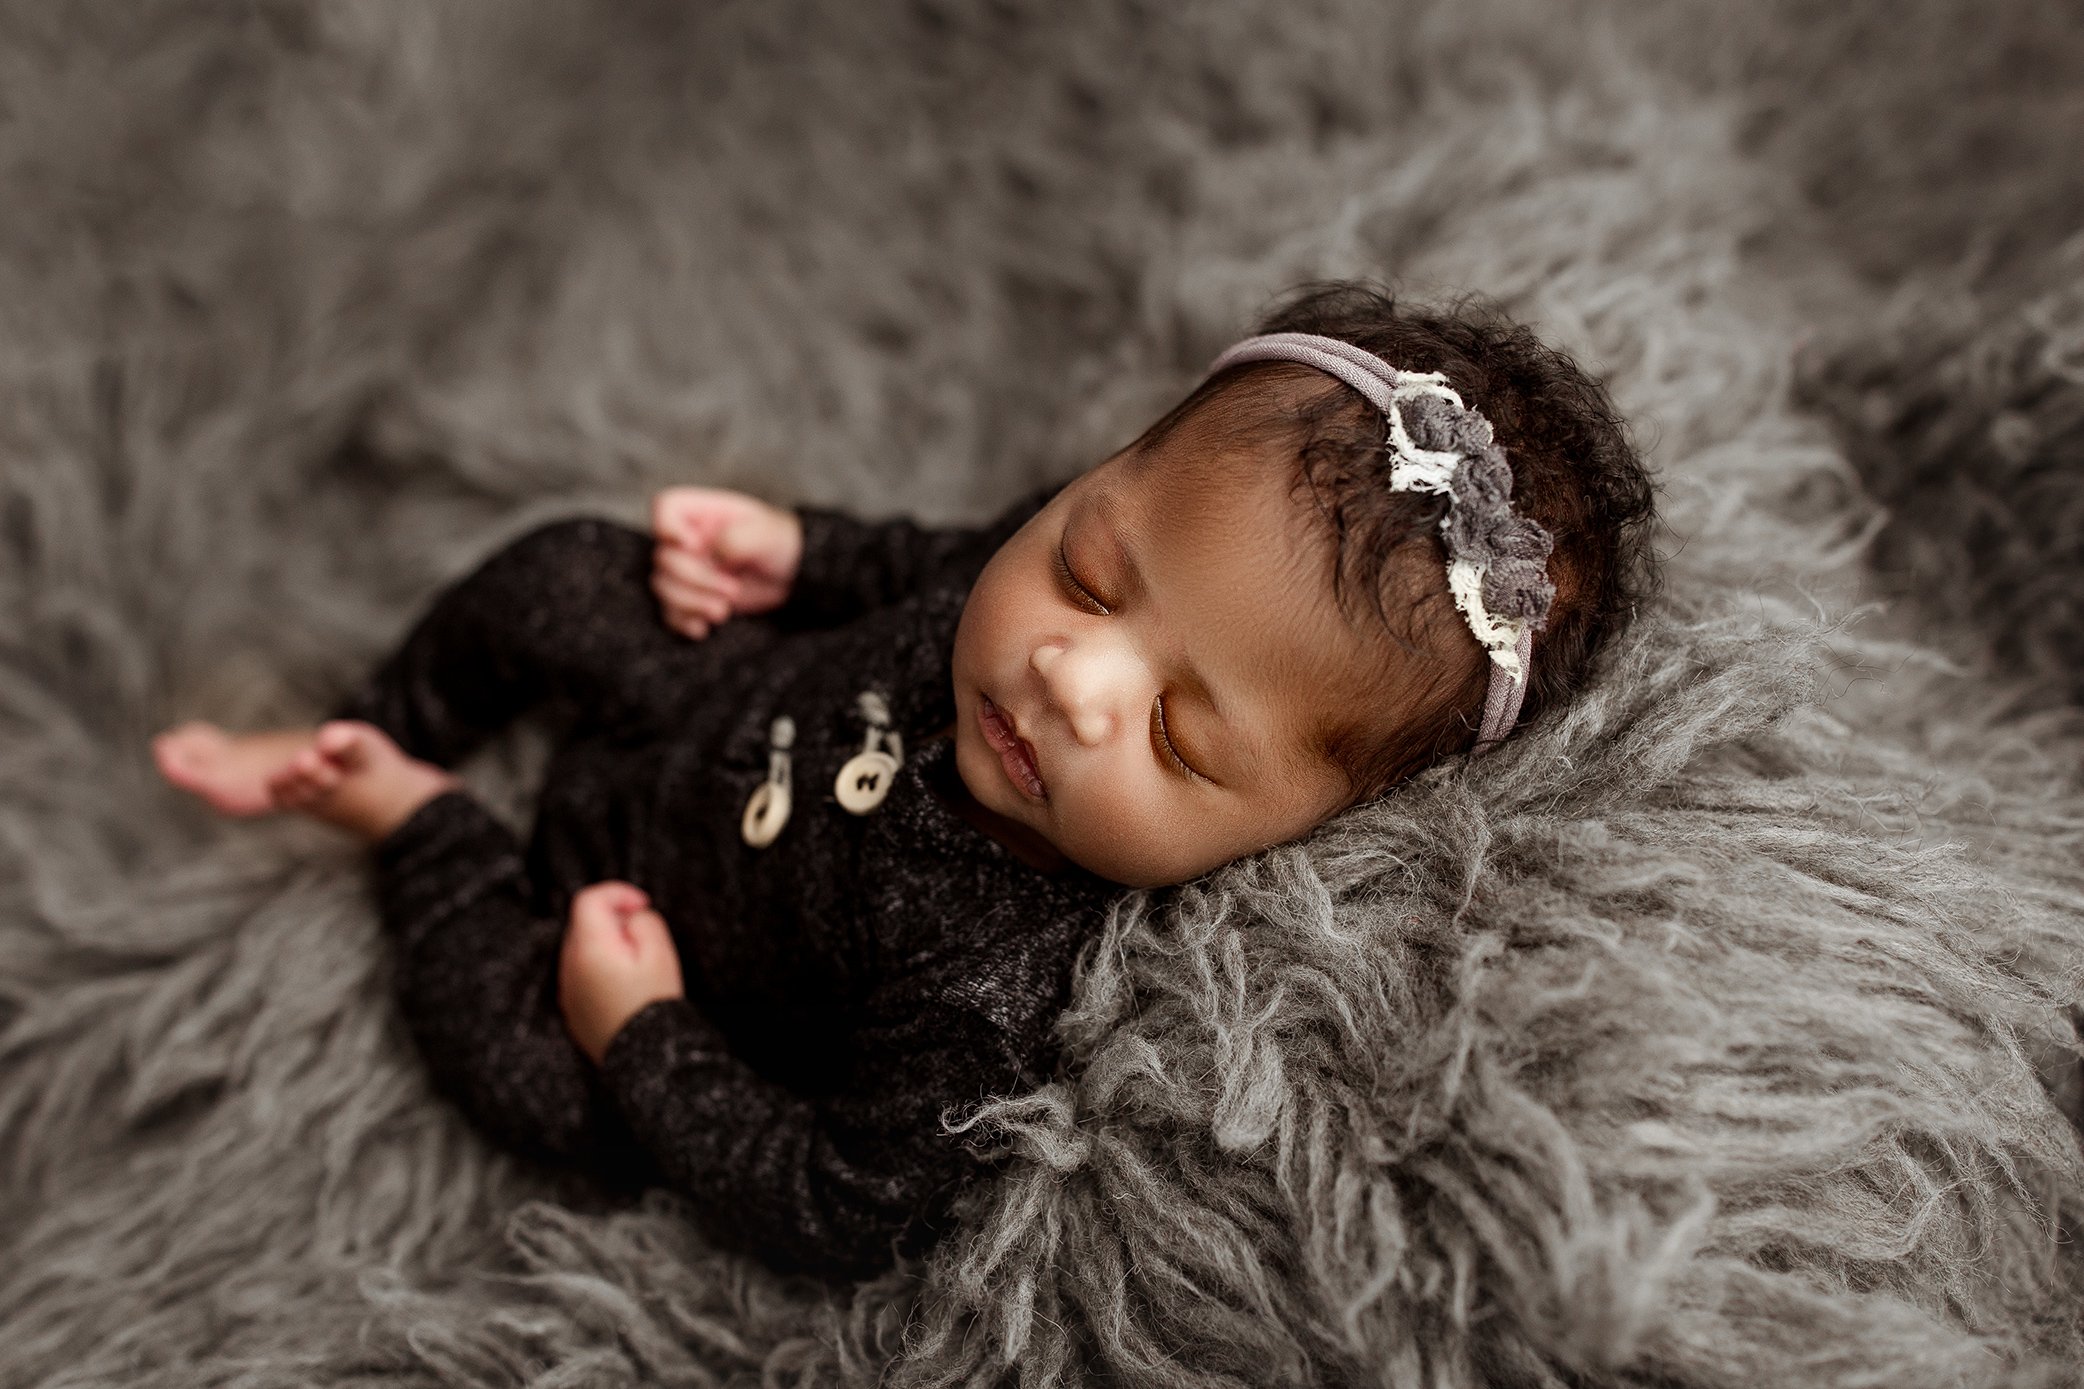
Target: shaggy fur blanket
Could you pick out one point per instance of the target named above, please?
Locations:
(1693, 1040)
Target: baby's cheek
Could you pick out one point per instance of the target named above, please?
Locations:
(1139, 840)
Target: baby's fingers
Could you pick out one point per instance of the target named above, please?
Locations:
(688, 610)
(674, 591)
(689, 515)
(695, 568)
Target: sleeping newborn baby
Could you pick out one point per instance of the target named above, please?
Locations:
(835, 805)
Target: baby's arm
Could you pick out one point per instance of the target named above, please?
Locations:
(851, 566)
(829, 568)
(826, 1184)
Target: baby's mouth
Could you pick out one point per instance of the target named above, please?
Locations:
(1015, 752)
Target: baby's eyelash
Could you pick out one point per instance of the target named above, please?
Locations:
(1165, 739)
(1070, 580)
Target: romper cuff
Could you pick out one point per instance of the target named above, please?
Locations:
(439, 859)
(639, 1065)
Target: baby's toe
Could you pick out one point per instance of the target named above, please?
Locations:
(341, 743)
(302, 779)
(297, 767)
(171, 755)
(181, 749)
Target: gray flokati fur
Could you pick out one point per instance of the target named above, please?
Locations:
(1688, 1039)
(1965, 413)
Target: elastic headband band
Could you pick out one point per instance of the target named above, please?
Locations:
(1497, 559)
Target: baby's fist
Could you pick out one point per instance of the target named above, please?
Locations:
(617, 957)
(720, 552)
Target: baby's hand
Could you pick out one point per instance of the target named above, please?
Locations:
(718, 553)
(617, 957)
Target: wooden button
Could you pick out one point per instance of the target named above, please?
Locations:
(865, 780)
(765, 814)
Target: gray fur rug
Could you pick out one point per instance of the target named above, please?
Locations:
(1692, 1041)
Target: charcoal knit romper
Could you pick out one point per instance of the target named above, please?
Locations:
(847, 984)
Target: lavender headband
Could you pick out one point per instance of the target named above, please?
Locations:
(1497, 559)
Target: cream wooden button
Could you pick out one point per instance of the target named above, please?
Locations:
(765, 814)
(865, 780)
(767, 809)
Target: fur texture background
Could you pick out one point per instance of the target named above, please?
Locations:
(1691, 1041)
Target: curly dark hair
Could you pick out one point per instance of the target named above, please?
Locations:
(1575, 472)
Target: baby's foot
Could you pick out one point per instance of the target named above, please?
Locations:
(352, 775)
(230, 771)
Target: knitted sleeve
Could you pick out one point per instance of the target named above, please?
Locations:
(836, 1184)
(851, 566)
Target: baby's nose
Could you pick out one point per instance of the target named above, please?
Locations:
(1086, 684)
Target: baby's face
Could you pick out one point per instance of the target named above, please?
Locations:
(1140, 670)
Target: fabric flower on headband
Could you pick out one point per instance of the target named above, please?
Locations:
(1497, 559)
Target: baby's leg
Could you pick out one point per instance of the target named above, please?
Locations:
(477, 967)
(564, 613)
